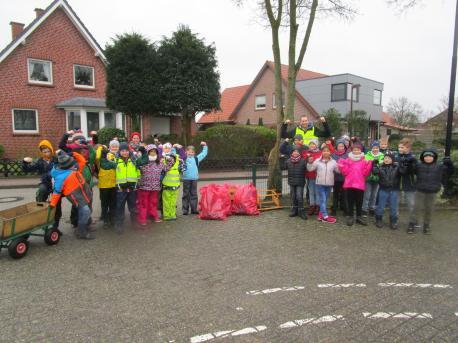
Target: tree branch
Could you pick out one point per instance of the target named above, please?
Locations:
(308, 32)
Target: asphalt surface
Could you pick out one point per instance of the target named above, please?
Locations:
(194, 280)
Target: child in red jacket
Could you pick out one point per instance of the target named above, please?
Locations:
(312, 154)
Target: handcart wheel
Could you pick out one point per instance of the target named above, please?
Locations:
(52, 236)
(18, 248)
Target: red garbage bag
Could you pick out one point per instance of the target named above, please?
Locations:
(246, 200)
(215, 202)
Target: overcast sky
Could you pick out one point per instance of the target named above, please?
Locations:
(409, 53)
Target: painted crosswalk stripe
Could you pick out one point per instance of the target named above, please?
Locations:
(415, 285)
(226, 333)
(315, 320)
(394, 315)
(340, 285)
(274, 290)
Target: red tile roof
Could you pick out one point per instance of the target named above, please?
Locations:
(387, 118)
(229, 100)
(389, 121)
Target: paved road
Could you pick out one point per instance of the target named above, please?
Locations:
(262, 279)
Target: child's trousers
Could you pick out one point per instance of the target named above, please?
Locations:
(108, 203)
(390, 197)
(313, 193)
(147, 205)
(354, 199)
(424, 205)
(189, 198)
(121, 198)
(297, 197)
(370, 196)
(169, 204)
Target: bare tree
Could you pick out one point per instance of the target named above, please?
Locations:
(293, 15)
(443, 104)
(404, 111)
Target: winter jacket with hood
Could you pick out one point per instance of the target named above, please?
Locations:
(150, 179)
(107, 177)
(296, 172)
(325, 170)
(430, 176)
(42, 166)
(355, 171)
(336, 156)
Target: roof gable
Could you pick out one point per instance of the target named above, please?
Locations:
(39, 20)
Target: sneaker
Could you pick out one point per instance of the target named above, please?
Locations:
(411, 228)
(185, 213)
(195, 212)
(320, 217)
(394, 226)
(302, 214)
(378, 222)
(364, 214)
(350, 221)
(329, 219)
(293, 212)
(361, 221)
(87, 237)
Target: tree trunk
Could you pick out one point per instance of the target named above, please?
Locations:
(186, 129)
(274, 180)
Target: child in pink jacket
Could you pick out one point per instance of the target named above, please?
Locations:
(355, 169)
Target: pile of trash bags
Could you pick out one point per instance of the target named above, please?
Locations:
(216, 204)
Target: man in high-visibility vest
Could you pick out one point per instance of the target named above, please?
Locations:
(306, 129)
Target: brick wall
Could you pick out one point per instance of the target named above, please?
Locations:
(265, 86)
(58, 41)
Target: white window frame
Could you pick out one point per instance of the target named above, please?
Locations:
(274, 105)
(74, 76)
(49, 83)
(255, 102)
(373, 97)
(83, 117)
(25, 131)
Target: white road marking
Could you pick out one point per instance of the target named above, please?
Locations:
(274, 290)
(414, 285)
(239, 308)
(341, 285)
(318, 320)
(402, 315)
(221, 334)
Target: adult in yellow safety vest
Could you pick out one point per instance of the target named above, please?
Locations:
(306, 129)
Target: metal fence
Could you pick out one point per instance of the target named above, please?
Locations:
(11, 168)
(259, 177)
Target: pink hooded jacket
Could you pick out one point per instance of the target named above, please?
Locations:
(355, 172)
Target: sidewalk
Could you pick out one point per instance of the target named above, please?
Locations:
(32, 182)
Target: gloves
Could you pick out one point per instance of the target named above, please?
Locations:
(447, 161)
(104, 153)
(142, 150)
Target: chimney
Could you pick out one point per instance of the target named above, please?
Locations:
(39, 12)
(16, 29)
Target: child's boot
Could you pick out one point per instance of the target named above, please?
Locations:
(350, 221)
(378, 221)
(426, 229)
(411, 228)
(302, 213)
(394, 223)
(361, 221)
(293, 212)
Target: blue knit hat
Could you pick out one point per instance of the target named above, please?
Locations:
(375, 143)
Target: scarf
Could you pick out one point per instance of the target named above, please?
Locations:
(355, 157)
(295, 159)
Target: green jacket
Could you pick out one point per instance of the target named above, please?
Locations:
(370, 157)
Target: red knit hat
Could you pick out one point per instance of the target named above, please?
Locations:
(135, 134)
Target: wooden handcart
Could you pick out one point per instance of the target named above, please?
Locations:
(17, 224)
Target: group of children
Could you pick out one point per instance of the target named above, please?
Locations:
(145, 177)
(363, 183)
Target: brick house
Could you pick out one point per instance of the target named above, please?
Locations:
(257, 100)
(53, 79)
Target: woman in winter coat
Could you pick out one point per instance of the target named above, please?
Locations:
(297, 167)
(325, 168)
(355, 169)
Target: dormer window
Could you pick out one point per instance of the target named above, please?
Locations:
(40, 71)
(83, 76)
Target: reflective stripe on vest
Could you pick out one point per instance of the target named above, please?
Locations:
(126, 172)
(306, 135)
(172, 177)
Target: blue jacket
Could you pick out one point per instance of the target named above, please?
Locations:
(192, 169)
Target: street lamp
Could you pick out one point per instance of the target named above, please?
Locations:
(451, 105)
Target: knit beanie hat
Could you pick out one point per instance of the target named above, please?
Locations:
(375, 143)
(390, 155)
(150, 147)
(64, 161)
(298, 137)
(313, 140)
(340, 141)
(78, 135)
(114, 142)
(357, 145)
(123, 146)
